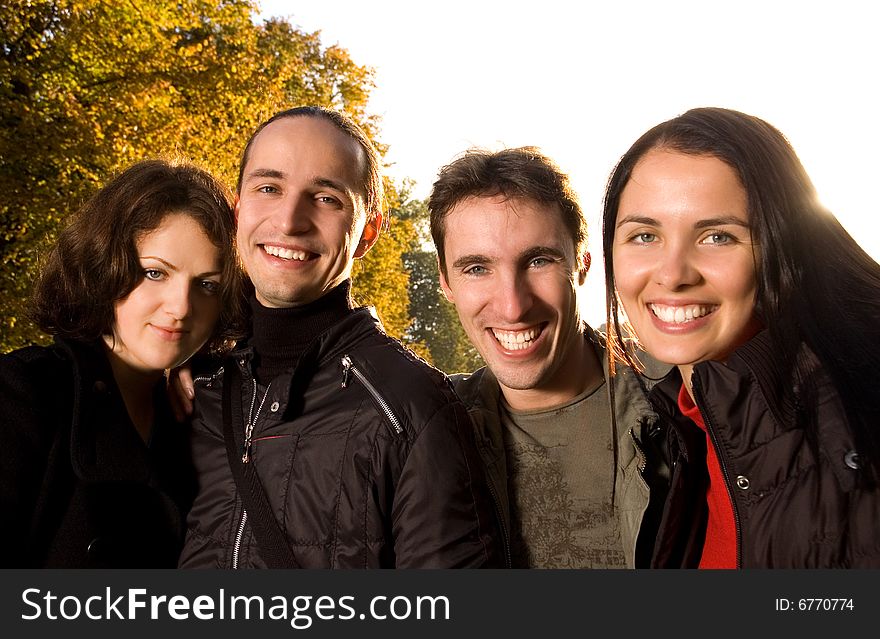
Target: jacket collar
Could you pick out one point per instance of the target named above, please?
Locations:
(326, 348)
(757, 363)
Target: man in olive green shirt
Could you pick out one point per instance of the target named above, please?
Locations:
(571, 484)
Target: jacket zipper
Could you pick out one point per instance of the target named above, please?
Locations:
(208, 378)
(245, 458)
(348, 367)
(643, 458)
(249, 427)
(700, 400)
(505, 539)
(236, 548)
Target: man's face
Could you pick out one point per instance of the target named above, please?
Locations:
(301, 215)
(512, 273)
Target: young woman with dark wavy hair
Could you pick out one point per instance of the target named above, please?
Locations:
(96, 473)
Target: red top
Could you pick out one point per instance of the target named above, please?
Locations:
(719, 550)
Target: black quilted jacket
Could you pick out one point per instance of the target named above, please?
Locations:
(78, 487)
(365, 455)
(792, 507)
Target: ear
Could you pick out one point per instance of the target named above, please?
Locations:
(369, 236)
(444, 285)
(235, 209)
(584, 267)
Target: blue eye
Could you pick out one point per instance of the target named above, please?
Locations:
(210, 286)
(645, 238)
(718, 238)
(153, 274)
(475, 270)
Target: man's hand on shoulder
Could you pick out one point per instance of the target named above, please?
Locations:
(180, 392)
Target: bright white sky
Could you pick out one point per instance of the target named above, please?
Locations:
(582, 80)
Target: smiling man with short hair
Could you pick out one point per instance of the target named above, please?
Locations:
(322, 442)
(572, 490)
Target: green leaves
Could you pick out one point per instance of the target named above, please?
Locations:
(88, 87)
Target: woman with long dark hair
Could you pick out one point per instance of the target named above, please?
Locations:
(728, 268)
(95, 472)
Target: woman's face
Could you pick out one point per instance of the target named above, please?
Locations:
(172, 311)
(683, 256)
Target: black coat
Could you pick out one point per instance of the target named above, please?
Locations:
(795, 505)
(78, 486)
(366, 456)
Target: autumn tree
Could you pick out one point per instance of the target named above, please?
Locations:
(381, 275)
(90, 86)
(434, 321)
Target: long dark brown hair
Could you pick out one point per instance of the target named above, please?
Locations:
(815, 284)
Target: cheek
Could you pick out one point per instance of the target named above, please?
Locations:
(559, 290)
(246, 222)
(738, 283)
(131, 310)
(472, 296)
(627, 279)
(242, 229)
(463, 302)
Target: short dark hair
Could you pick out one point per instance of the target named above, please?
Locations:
(815, 284)
(374, 191)
(95, 261)
(522, 172)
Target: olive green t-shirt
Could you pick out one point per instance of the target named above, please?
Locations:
(560, 478)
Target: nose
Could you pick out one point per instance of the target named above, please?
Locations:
(677, 268)
(513, 298)
(294, 214)
(179, 300)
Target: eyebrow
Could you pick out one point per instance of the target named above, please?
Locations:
(159, 259)
(526, 256)
(331, 184)
(539, 251)
(171, 266)
(722, 221)
(701, 224)
(276, 174)
(266, 173)
(465, 260)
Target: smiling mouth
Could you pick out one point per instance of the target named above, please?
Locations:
(518, 340)
(172, 334)
(288, 254)
(681, 314)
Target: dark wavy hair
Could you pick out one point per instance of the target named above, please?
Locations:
(815, 285)
(374, 190)
(95, 261)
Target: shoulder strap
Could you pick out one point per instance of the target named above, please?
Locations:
(273, 546)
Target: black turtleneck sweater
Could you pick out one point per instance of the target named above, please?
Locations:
(281, 335)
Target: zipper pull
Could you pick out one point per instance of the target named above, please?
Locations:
(246, 455)
(346, 369)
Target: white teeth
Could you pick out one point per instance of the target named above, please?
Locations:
(516, 340)
(286, 254)
(680, 314)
